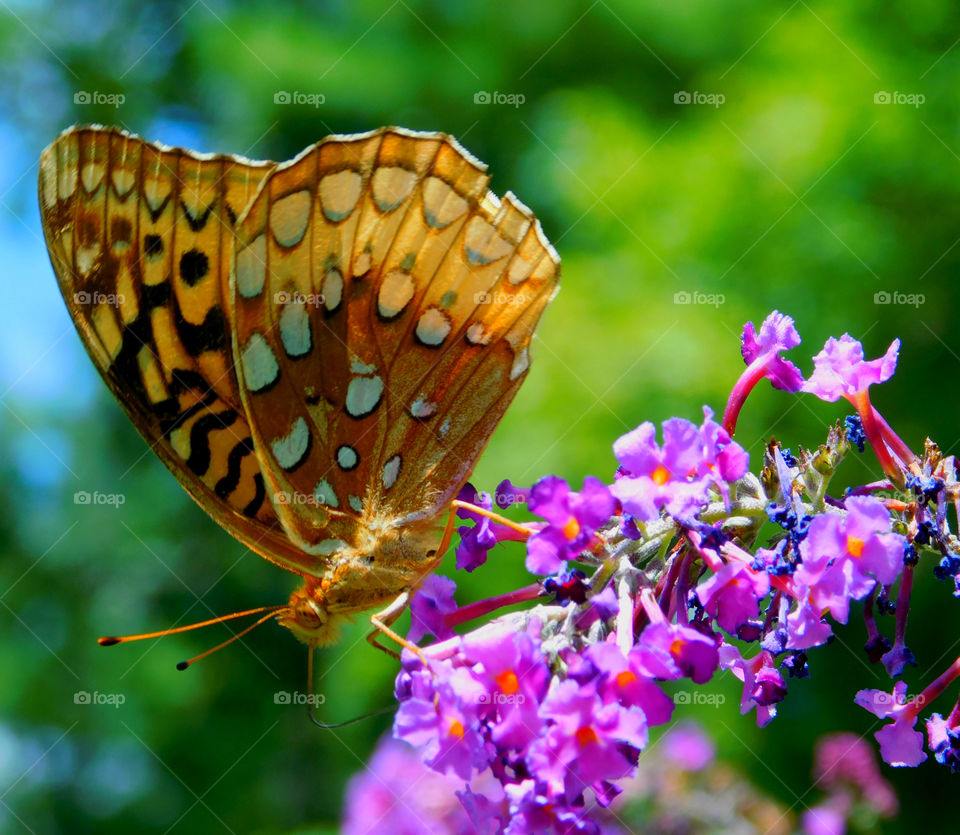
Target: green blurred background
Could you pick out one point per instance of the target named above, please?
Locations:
(751, 155)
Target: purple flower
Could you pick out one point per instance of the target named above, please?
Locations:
(732, 595)
(572, 521)
(478, 539)
(687, 746)
(533, 809)
(444, 725)
(509, 494)
(379, 799)
(513, 678)
(805, 626)
(944, 741)
(748, 670)
(900, 744)
(623, 679)
(671, 651)
(768, 686)
(656, 477)
(824, 819)
(761, 353)
(585, 743)
(777, 333)
(843, 558)
(723, 460)
(432, 602)
(841, 371)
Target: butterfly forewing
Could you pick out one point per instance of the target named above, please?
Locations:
(140, 237)
(385, 329)
(320, 350)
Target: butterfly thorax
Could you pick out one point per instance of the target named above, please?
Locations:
(385, 564)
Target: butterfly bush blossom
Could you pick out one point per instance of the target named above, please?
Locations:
(659, 577)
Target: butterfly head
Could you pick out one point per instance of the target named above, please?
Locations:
(308, 619)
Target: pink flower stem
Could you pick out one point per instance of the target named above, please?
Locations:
(954, 716)
(861, 402)
(651, 607)
(490, 604)
(678, 605)
(933, 690)
(751, 375)
(869, 617)
(903, 607)
(893, 440)
(669, 583)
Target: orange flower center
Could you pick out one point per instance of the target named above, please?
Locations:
(456, 729)
(660, 475)
(854, 546)
(626, 678)
(571, 529)
(508, 682)
(586, 735)
(676, 648)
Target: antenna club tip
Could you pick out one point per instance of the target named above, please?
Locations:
(182, 665)
(108, 641)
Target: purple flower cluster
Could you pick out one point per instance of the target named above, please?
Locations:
(552, 705)
(678, 477)
(491, 701)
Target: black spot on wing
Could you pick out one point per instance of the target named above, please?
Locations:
(155, 295)
(194, 266)
(152, 247)
(209, 335)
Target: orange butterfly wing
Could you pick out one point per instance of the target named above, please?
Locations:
(384, 303)
(140, 237)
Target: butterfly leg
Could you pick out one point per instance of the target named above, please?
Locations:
(456, 504)
(381, 625)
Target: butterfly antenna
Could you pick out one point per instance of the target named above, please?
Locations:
(184, 664)
(109, 641)
(310, 700)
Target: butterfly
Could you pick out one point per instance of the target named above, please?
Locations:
(318, 350)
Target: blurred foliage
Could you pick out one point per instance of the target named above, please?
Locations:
(798, 192)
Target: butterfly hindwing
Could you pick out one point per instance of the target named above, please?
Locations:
(385, 329)
(140, 237)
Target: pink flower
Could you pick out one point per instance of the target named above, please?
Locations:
(732, 595)
(841, 371)
(900, 744)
